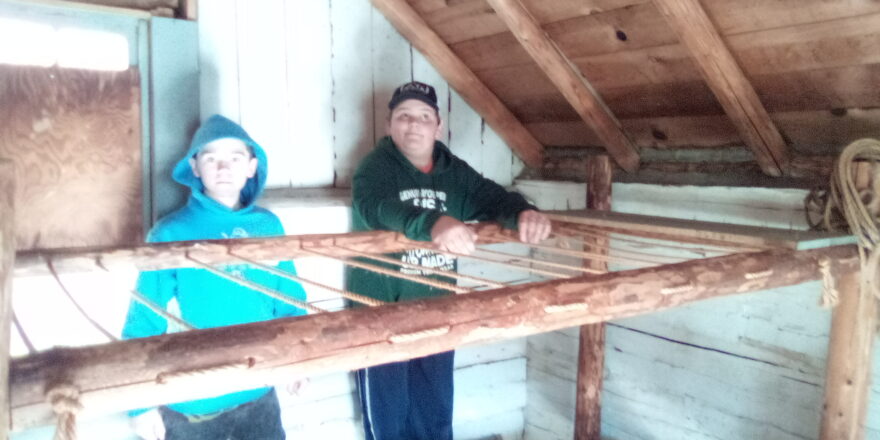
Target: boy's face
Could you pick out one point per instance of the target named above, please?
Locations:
(414, 126)
(224, 166)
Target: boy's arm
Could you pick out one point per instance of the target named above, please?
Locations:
(380, 208)
(159, 287)
(489, 201)
(292, 289)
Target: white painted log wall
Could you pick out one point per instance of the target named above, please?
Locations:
(744, 367)
(310, 80)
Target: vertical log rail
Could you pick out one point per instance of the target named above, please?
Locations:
(7, 265)
(591, 352)
(848, 372)
(850, 347)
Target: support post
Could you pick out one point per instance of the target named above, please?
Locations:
(591, 352)
(7, 265)
(848, 372)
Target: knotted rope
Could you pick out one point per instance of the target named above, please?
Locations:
(846, 198)
(64, 399)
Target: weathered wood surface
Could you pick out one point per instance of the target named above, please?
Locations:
(126, 374)
(76, 132)
(591, 347)
(738, 236)
(462, 79)
(160, 7)
(728, 82)
(7, 265)
(850, 354)
(174, 254)
(823, 131)
(576, 89)
(808, 55)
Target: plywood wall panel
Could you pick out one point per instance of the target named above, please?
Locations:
(75, 139)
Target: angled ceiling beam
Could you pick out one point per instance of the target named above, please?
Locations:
(414, 28)
(728, 82)
(569, 80)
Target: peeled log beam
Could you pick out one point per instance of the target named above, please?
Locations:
(127, 374)
(591, 347)
(579, 93)
(728, 82)
(174, 254)
(848, 370)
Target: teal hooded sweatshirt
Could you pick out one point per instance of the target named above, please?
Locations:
(206, 300)
(390, 193)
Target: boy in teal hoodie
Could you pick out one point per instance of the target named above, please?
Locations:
(413, 184)
(225, 171)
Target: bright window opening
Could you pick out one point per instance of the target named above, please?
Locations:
(37, 44)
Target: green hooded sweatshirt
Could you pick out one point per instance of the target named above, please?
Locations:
(389, 193)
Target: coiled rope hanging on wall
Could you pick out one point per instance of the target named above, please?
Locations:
(858, 207)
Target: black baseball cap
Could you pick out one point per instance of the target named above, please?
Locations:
(414, 90)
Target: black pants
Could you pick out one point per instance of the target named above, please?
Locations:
(257, 420)
(409, 400)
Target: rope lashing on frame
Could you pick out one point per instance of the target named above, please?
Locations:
(64, 399)
(165, 377)
(415, 336)
(850, 201)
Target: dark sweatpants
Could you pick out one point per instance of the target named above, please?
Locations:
(408, 400)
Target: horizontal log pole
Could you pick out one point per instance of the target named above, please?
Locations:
(181, 366)
(156, 256)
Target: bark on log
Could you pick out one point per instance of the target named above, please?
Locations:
(591, 349)
(181, 366)
(848, 372)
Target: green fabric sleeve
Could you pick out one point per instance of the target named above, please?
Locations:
(375, 207)
(486, 200)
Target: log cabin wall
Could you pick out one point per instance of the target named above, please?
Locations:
(750, 366)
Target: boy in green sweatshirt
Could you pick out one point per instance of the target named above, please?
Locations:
(412, 183)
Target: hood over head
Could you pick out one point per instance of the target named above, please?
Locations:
(219, 127)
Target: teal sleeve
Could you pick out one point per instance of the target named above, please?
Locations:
(378, 208)
(489, 201)
(292, 289)
(158, 286)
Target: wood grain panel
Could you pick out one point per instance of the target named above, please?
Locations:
(75, 137)
(820, 131)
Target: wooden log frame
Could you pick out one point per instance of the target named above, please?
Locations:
(174, 254)
(414, 28)
(848, 371)
(850, 345)
(181, 366)
(728, 82)
(7, 263)
(591, 348)
(569, 80)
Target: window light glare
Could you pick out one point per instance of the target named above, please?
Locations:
(26, 43)
(95, 50)
(29, 43)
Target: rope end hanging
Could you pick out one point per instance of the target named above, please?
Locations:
(64, 399)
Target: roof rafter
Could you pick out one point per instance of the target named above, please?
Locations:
(414, 28)
(569, 80)
(728, 82)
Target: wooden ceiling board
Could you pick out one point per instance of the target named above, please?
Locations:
(809, 130)
(470, 19)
